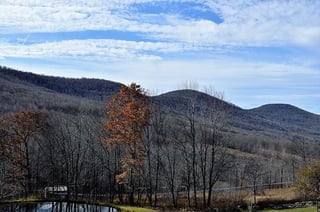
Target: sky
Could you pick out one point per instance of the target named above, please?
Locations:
(254, 51)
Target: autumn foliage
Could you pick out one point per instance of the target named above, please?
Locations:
(16, 132)
(127, 115)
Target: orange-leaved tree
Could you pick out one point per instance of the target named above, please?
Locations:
(127, 115)
(17, 131)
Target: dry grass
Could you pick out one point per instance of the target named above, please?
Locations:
(224, 199)
(281, 194)
(239, 153)
(135, 209)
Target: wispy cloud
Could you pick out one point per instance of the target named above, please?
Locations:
(94, 48)
(249, 23)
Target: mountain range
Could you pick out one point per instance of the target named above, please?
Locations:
(274, 122)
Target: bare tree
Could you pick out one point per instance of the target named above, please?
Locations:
(212, 148)
(188, 142)
(154, 138)
(254, 170)
(158, 123)
(170, 168)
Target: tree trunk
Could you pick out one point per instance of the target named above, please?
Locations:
(28, 167)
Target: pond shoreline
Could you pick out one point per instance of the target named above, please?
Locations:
(40, 200)
(120, 208)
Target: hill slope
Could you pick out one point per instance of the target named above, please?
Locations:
(288, 114)
(280, 122)
(89, 88)
(20, 90)
(18, 93)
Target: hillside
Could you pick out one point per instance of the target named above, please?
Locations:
(18, 93)
(288, 114)
(280, 122)
(95, 89)
(20, 90)
(296, 123)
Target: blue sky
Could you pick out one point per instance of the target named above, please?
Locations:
(256, 52)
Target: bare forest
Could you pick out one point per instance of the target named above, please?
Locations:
(180, 149)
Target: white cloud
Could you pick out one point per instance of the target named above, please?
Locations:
(97, 49)
(141, 59)
(245, 23)
(94, 48)
(57, 16)
(224, 74)
(270, 22)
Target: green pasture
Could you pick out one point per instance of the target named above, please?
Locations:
(309, 209)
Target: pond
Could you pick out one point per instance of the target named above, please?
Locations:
(54, 207)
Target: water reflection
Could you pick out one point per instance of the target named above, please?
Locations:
(55, 207)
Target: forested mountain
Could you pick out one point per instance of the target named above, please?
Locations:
(16, 96)
(289, 115)
(20, 90)
(88, 88)
(279, 121)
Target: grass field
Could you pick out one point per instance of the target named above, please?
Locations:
(309, 209)
(283, 194)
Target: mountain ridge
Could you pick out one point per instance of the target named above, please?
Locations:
(97, 89)
(283, 106)
(39, 92)
(101, 85)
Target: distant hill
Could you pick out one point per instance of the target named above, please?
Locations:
(297, 122)
(21, 90)
(277, 121)
(89, 88)
(288, 114)
(178, 100)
